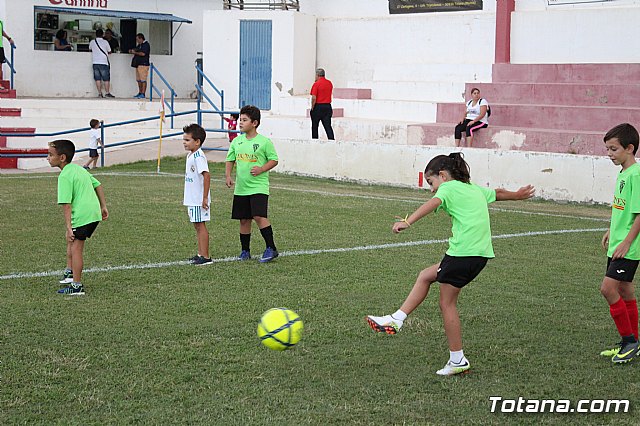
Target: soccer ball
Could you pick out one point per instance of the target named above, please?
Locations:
(280, 329)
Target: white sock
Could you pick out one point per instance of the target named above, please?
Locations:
(399, 315)
(456, 357)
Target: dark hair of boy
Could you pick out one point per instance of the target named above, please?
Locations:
(252, 112)
(99, 32)
(235, 116)
(93, 123)
(626, 135)
(64, 147)
(141, 36)
(452, 163)
(196, 132)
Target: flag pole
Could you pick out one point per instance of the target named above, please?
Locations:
(160, 139)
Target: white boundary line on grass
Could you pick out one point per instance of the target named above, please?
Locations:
(331, 194)
(296, 253)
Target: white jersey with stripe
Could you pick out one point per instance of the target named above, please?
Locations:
(193, 179)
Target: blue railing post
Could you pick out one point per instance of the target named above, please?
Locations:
(173, 95)
(222, 108)
(199, 109)
(12, 67)
(151, 84)
(102, 145)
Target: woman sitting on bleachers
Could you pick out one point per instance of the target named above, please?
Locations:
(475, 117)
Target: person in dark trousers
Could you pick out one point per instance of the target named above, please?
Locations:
(321, 105)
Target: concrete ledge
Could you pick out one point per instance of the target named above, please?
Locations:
(351, 93)
(560, 177)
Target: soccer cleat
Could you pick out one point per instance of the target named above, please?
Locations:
(67, 277)
(611, 352)
(386, 324)
(109, 95)
(245, 255)
(268, 255)
(201, 260)
(194, 258)
(451, 369)
(72, 290)
(628, 351)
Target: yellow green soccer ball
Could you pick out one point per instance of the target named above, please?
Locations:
(280, 329)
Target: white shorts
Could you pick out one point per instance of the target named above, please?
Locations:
(198, 214)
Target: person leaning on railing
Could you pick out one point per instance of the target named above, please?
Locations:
(2, 57)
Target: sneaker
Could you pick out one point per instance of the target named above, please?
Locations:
(72, 290)
(386, 324)
(268, 255)
(194, 258)
(613, 351)
(451, 368)
(67, 277)
(201, 260)
(109, 95)
(245, 255)
(628, 351)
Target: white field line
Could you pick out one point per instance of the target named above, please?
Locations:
(295, 253)
(328, 194)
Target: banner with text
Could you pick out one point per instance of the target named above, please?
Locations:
(422, 6)
(557, 2)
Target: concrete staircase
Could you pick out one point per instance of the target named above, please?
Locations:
(563, 108)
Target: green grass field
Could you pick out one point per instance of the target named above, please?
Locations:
(170, 343)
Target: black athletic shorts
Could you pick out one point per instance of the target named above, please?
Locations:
(248, 206)
(93, 153)
(3, 59)
(460, 271)
(85, 231)
(621, 269)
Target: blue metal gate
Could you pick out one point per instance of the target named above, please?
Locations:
(255, 63)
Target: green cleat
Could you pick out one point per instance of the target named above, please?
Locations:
(627, 352)
(611, 352)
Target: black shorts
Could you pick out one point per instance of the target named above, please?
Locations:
(85, 231)
(621, 269)
(93, 153)
(249, 206)
(460, 271)
(3, 59)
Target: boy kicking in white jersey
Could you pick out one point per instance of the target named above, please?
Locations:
(197, 182)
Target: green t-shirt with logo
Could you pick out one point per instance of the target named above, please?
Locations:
(467, 204)
(1, 30)
(626, 205)
(76, 186)
(249, 153)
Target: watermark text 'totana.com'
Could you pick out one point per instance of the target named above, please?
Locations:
(522, 405)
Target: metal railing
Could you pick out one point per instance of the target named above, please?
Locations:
(12, 69)
(152, 88)
(202, 94)
(122, 143)
(262, 5)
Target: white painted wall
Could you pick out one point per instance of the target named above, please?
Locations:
(69, 74)
(293, 53)
(592, 178)
(360, 8)
(582, 33)
(405, 49)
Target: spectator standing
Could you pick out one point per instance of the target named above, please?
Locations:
(2, 57)
(140, 62)
(321, 110)
(232, 124)
(100, 51)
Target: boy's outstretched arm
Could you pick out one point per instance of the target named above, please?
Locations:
(623, 248)
(103, 202)
(228, 167)
(421, 212)
(521, 194)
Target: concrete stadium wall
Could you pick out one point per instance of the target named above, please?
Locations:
(293, 52)
(69, 74)
(603, 32)
(559, 177)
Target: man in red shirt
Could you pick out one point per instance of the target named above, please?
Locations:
(321, 105)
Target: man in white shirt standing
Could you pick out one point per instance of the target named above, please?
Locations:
(101, 50)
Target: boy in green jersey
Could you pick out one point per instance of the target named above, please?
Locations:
(84, 206)
(622, 243)
(253, 156)
(469, 248)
